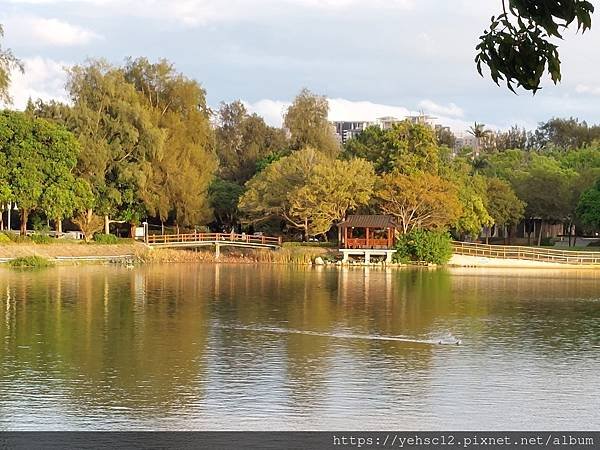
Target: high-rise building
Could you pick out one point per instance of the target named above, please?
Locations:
(348, 130)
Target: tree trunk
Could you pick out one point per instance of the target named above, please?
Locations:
(570, 228)
(132, 227)
(58, 225)
(106, 224)
(162, 227)
(24, 219)
(540, 233)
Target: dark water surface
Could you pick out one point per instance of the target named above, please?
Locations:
(205, 347)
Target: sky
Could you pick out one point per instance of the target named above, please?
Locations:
(371, 58)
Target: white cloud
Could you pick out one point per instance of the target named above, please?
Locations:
(201, 12)
(341, 109)
(450, 110)
(51, 32)
(587, 89)
(43, 79)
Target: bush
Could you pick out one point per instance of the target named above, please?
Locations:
(106, 239)
(433, 247)
(4, 239)
(41, 239)
(31, 262)
(548, 242)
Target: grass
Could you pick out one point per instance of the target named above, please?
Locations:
(31, 262)
(311, 244)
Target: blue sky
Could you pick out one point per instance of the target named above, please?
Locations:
(371, 58)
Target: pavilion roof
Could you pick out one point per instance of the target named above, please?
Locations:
(369, 221)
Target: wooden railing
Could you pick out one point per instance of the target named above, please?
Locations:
(366, 244)
(526, 253)
(212, 237)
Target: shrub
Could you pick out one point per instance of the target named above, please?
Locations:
(4, 239)
(41, 239)
(424, 246)
(106, 239)
(31, 262)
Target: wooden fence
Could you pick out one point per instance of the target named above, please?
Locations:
(526, 253)
(166, 239)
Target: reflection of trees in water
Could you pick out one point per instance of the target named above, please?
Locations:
(113, 337)
(538, 310)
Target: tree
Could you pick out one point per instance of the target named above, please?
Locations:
(517, 47)
(419, 200)
(40, 157)
(503, 205)
(119, 140)
(565, 134)
(179, 180)
(330, 192)
(406, 146)
(308, 190)
(480, 133)
(269, 193)
(8, 63)
(224, 198)
(308, 125)
(588, 208)
(545, 188)
(242, 140)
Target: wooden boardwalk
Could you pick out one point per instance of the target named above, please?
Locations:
(550, 255)
(217, 240)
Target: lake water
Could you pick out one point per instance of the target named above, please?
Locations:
(220, 347)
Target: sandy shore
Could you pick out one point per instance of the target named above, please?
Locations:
(478, 261)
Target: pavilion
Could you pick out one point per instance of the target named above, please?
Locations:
(368, 235)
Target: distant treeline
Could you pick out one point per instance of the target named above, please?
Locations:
(138, 142)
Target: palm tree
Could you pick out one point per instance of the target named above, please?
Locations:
(478, 131)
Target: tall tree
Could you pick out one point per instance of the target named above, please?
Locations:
(180, 178)
(333, 189)
(119, 139)
(40, 157)
(588, 208)
(270, 193)
(480, 133)
(503, 205)
(243, 140)
(419, 200)
(308, 125)
(407, 147)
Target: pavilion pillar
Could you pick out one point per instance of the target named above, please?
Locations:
(367, 237)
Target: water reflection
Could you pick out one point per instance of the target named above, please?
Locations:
(193, 347)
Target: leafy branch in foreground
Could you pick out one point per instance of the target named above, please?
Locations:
(517, 48)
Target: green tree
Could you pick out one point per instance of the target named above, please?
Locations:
(119, 139)
(333, 189)
(545, 188)
(406, 147)
(40, 158)
(517, 48)
(308, 125)
(419, 200)
(224, 197)
(480, 133)
(308, 190)
(503, 205)
(179, 179)
(588, 208)
(243, 140)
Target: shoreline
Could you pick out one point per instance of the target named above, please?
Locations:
(138, 253)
